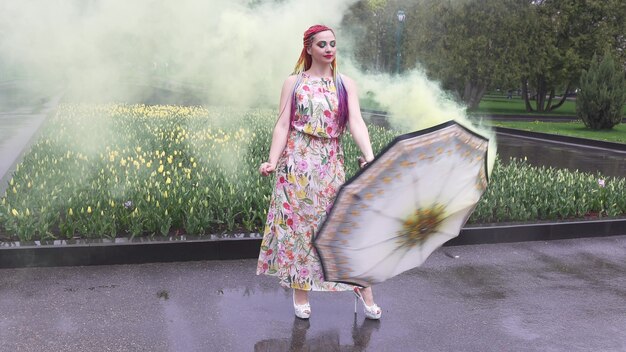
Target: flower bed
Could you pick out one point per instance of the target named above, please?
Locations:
(120, 170)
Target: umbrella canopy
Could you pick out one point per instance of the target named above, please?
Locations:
(416, 195)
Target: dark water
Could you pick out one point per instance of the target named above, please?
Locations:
(563, 155)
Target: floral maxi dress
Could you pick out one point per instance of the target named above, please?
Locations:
(308, 176)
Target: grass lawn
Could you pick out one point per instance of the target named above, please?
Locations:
(573, 129)
(500, 105)
(496, 105)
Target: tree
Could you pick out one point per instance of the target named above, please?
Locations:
(563, 36)
(370, 23)
(469, 46)
(602, 93)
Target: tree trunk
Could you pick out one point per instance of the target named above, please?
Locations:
(541, 94)
(563, 98)
(529, 108)
(473, 94)
(549, 103)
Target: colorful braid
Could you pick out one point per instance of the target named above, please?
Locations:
(304, 63)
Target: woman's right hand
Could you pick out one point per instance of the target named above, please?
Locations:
(267, 168)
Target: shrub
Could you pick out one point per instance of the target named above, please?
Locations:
(602, 94)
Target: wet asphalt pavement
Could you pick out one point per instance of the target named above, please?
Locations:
(534, 296)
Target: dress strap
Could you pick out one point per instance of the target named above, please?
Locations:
(293, 97)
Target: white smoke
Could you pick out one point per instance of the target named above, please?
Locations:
(236, 52)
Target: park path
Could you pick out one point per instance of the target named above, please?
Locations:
(19, 123)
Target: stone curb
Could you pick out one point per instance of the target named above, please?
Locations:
(215, 247)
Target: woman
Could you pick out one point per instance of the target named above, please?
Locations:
(316, 104)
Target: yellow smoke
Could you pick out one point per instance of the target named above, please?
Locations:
(231, 52)
(414, 102)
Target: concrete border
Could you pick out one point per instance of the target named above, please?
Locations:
(225, 247)
(555, 138)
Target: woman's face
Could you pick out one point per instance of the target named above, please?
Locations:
(322, 48)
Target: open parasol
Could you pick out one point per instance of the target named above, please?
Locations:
(416, 195)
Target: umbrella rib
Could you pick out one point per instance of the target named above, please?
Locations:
(452, 199)
(380, 261)
(415, 195)
(395, 238)
(446, 183)
(388, 216)
(373, 244)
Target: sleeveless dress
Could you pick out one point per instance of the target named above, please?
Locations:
(308, 176)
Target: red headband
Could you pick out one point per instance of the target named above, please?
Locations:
(313, 30)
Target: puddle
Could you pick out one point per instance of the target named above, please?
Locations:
(562, 156)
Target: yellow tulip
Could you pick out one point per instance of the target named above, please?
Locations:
(14, 212)
(89, 210)
(160, 169)
(71, 212)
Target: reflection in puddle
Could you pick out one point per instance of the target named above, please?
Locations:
(324, 341)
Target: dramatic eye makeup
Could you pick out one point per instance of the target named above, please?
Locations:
(323, 43)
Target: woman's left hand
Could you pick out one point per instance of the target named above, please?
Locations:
(266, 168)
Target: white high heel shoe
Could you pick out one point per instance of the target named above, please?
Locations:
(373, 312)
(303, 311)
